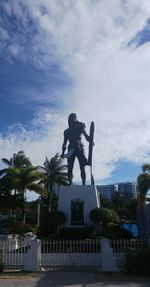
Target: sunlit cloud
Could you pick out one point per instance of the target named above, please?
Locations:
(88, 43)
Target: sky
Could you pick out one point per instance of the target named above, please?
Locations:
(91, 57)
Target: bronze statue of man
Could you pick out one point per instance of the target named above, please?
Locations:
(75, 148)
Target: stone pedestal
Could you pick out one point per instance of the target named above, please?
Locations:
(76, 202)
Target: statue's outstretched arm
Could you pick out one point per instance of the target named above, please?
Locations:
(86, 135)
(64, 145)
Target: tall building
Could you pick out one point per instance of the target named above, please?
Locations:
(127, 189)
(107, 190)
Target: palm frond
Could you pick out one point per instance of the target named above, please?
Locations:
(143, 181)
(35, 187)
(146, 168)
(6, 161)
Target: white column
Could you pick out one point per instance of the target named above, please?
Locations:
(108, 260)
(33, 257)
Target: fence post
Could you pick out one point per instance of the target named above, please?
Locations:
(33, 256)
(108, 260)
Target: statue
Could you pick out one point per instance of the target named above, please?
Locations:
(75, 148)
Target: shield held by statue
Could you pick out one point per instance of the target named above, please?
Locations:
(91, 137)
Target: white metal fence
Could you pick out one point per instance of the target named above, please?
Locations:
(13, 252)
(71, 246)
(20, 254)
(71, 253)
(120, 246)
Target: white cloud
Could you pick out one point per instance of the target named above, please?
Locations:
(89, 40)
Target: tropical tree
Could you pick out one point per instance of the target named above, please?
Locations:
(55, 173)
(105, 202)
(18, 160)
(26, 179)
(19, 177)
(146, 168)
(125, 207)
(143, 182)
(118, 199)
(50, 222)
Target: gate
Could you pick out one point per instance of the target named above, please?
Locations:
(56, 253)
(13, 253)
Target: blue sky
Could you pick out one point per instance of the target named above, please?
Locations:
(88, 57)
(21, 85)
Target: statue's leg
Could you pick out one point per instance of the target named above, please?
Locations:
(70, 168)
(82, 162)
(83, 174)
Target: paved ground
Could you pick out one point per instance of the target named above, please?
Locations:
(70, 279)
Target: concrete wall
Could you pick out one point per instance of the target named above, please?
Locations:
(88, 194)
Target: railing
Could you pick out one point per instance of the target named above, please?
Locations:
(71, 253)
(18, 254)
(121, 245)
(13, 253)
(71, 246)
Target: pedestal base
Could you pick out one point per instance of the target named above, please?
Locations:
(76, 202)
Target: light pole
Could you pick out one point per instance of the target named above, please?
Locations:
(38, 214)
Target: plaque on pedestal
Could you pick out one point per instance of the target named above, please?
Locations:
(76, 202)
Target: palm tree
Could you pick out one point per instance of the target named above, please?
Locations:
(143, 181)
(23, 179)
(17, 160)
(54, 173)
(19, 176)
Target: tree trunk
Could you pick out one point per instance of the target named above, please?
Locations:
(50, 191)
(23, 207)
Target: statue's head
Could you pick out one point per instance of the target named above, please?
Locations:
(72, 119)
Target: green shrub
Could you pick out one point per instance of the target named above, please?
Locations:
(57, 218)
(22, 228)
(1, 262)
(76, 233)
(50, 223)
(137, 261)
(114, 231)
(1, 267)
(103, 216)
